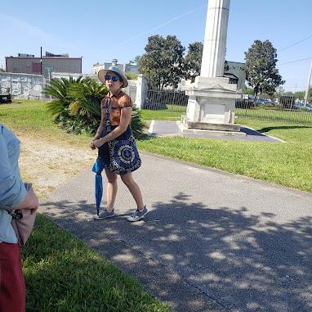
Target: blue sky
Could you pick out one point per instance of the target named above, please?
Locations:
(100, 30)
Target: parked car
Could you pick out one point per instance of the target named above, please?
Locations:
(5, 98)
(298, 105)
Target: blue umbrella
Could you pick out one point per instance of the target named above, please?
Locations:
(98, 168)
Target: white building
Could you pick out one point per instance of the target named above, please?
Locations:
(236, 71)
(126, 68)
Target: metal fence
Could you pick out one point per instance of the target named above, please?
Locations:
(285, 110)
(173, 101)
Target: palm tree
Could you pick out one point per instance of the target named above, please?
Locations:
(76, 105)
(58, 90)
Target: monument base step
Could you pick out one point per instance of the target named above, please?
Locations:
(212, 126)
(222, 129)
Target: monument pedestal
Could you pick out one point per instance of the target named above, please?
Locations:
(211, 105)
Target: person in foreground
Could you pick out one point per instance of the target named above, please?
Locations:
(116, 113)
(13, 195)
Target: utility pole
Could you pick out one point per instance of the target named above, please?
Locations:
(41, 61)
(308, 87)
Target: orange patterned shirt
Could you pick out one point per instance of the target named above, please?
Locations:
(115, 104)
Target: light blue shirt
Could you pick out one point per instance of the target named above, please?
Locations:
(12, 189)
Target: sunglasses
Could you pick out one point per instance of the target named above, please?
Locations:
(113, 78)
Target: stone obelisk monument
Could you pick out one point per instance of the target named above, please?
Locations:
(211, 104)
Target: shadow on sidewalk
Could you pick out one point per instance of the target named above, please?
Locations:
(230, 258)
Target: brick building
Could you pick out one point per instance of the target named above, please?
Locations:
(30, 64)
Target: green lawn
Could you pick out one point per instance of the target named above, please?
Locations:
(32, 118)
(62, 274)
(277, 115)
(288, 164)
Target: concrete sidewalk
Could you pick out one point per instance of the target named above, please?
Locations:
(212, 241)
(175, 128)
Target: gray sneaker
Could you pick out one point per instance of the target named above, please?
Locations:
(138, 215)
(105, 214)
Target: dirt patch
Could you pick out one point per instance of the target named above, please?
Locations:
(49, 166)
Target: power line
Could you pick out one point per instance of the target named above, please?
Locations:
(162, 25)
(295, 43)
(306, 59)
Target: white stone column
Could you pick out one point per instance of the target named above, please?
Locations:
(141, 91)
(214, 46)
(211, 104)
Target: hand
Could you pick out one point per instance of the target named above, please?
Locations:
(32, 210)
(98, 142)
(91, 145)
(34, 201)
(31, 201)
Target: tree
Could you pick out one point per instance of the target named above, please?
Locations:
(76, 105)
(279, 91)
(248, 91)
(163, 62)
(193, 60)
(137, 59)
(299, 95)
(261, 72)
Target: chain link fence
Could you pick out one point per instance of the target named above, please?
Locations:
(170, 100)
(286, 109)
